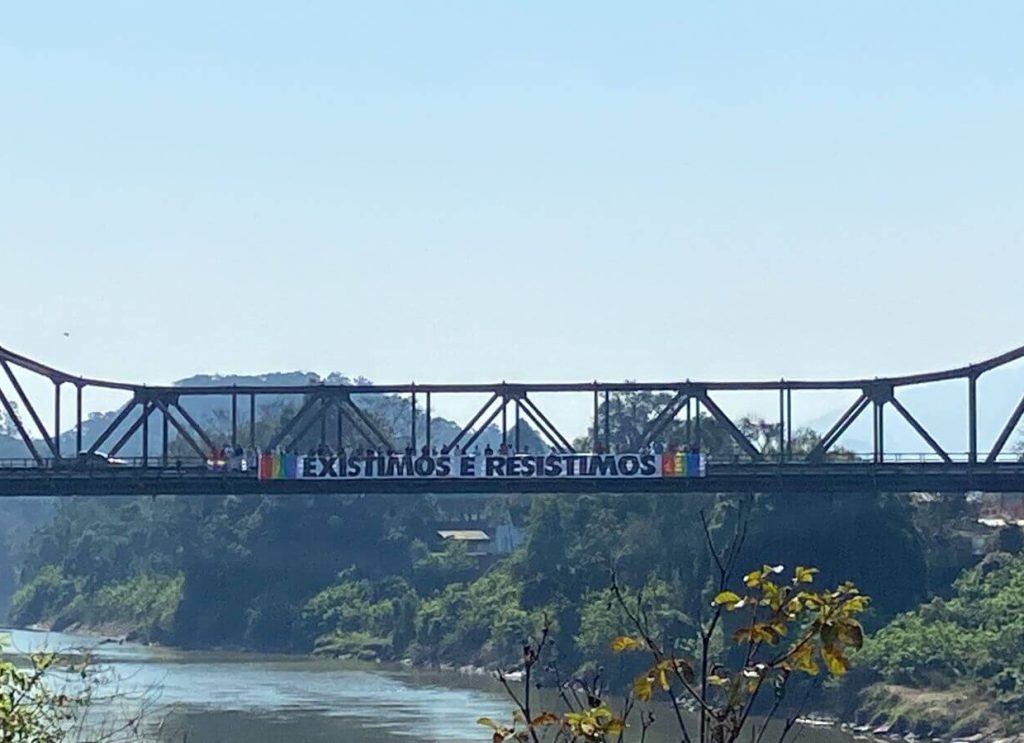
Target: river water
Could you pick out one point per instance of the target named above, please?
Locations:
(220, 697)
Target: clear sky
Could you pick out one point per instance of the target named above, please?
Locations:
(476, 191)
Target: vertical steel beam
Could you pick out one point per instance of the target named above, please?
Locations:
(697, 422)
(782, 425)
(788, 423)
(323, 426)
(874, 432)
(78, 418)
(504, 419)
(339, 424)
(412, 432)
(252, 421)
(146, 410)
(879, 415)
(881, 431)
(607, 423)
(517, 426)
(597, 421)
(163, 437)
(427, 427)
(689, 433)
(972, 419)
(56, 418)
(234, 418)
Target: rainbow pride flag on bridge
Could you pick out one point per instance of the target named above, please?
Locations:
(279, 466)
(683, 464)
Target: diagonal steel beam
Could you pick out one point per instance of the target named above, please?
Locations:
(280, 436)
(118, 420)
(544, 432)
(317, 416)
(147, 408)
(180, 429)
(657, 424)
(344, 414)
(192, 422)
(528, 403)
(469, 426)
(837, 430)
(28, 406)
(26, 439)
(744, 443)
(490, 419)
(384, 440)
(920, 430)
(1007, 431)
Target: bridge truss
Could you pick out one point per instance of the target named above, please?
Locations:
(334, 413)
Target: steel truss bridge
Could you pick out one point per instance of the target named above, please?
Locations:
(51, 467)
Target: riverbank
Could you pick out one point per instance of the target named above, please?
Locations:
(958, 713)
(886, 712)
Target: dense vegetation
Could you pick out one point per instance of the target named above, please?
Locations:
(971, 644)
(365, 575)
(368, 577)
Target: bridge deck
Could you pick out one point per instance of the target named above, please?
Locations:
(866, 477)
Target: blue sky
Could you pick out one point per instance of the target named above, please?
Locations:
(472, 191)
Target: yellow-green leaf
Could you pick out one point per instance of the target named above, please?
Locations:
(804, 575)
(625, 642)
(643, 688)
(614, 726)
(802, 659)
(728, 599)
(663, 680)
(835, 661)
(489, 723)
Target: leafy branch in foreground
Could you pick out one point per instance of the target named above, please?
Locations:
(48, 697)
(779, 628)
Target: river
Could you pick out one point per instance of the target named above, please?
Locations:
(222, 697)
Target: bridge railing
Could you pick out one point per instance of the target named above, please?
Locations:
(193, 465)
